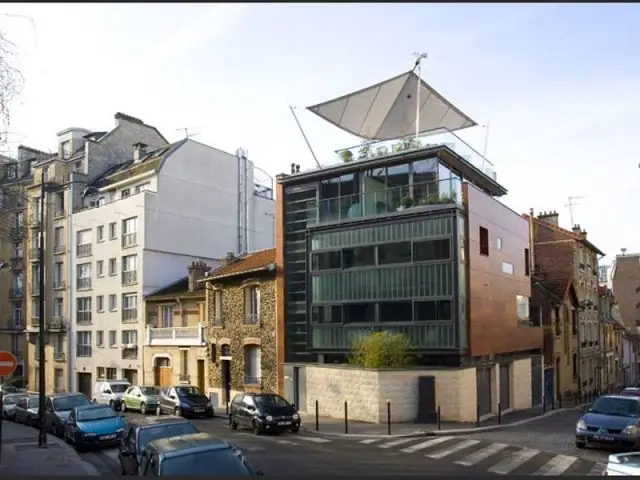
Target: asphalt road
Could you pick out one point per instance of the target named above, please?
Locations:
(298, 454)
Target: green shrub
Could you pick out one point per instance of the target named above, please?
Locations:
(380, 350)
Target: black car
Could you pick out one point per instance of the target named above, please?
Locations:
(263, 412)
(57, 410)
(185, 401)
(137, 435)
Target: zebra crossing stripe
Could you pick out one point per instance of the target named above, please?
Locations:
(514, 461)
(480, 455)
(454, 449)
(427, 444)
(314, 439)
(556, 465)
(396, 443)
(369, 441)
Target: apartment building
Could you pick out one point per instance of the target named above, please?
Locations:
(143, 221)
(406, 235)
(81, 155)
(562, 253)
(611, 331)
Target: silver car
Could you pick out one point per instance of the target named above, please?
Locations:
(9, 405)
(26, 410)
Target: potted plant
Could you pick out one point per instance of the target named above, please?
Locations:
(364, 150)
(346, 155)
(405, 202)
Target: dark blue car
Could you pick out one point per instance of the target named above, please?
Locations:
(93, 425)
(613, 421)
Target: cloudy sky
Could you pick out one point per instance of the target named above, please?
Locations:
(559, 84)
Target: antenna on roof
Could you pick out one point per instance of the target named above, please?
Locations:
(570, 205)
(292, 108)
(186, 132)
(417, 67)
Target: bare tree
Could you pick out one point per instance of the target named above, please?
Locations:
(11, 81)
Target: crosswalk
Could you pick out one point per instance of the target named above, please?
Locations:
(496, 458)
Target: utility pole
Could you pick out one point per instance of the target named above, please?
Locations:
(42, 434)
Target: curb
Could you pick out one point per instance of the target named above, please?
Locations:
(88, 468)
(416, 434)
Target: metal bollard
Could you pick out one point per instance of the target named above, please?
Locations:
(346, 418)
(317, 417)
(438, 418)
(478, 414)
(388, 417)
(499, 414)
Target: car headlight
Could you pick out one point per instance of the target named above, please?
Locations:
(88, 434)
(208, 405)
(581, 425)
(269, 418)
(631, 430)
(296, 416)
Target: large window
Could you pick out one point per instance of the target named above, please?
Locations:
(129, 307)
(83, 344)
(83, 310)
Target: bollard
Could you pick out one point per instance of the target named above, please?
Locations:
(478, 414)
(499, 414)
(317, 417)
(388, 417)
(346, 419)
(438, 418)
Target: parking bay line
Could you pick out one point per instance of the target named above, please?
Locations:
(480, 455)
(454, 449)
(514, 461)
(427, 444)
(556, 465)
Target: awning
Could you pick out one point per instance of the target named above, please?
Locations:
(387, 110)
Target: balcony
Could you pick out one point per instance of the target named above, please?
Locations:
(405, 198)
(129, 352)
(252, 319)
(83, 283)
(129, 240)
(83, 250)
(177, 336)
(83, 350)
(129, 315)
(59, 284)
(129, 277)
(57, 323)
(59, 356)
(35, 321)
(59, 248)
(83, 318)
(17, 233)
(16, 292)
(11, 325)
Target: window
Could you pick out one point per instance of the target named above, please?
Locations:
(58, 307)
(129, 270)
(113, 231)
(83, 243)
(527, 262)
(129, 228)
(143, 187)
(35, 279)
(83, 344)
(433, 311)
(498, 243)
(326, 314)
(100, 375)
(129, 307)
(358, 257)
(83, 310)
(522, 304)
(35, 309)
(58, 239)
(58, 347)
(112, 373)
(574, 364)
(557, 321)
(536, 316)
(432, 250)
(100, 339)
(217, 307)
(130, 337)
(58, 275)
(252, 305)
(359, 313)
(83, 276)
(100, 268)
(326, 261)
(113, 303)
(395, 312)
(113, 266)
(125, 193)
(77, 166)
(11, 171)
(507, 268)
(484, 241)
(392, 253)
(100, 233)
(184, 365)
(252, 365)
(112, 338)
(65, 149)
(167, 316)
(100, 303)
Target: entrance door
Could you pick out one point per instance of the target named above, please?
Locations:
(163, 372)
(225, 380)
(84, 384)
(201, 375)
(483, 387)
(536, 381)
(505, 387)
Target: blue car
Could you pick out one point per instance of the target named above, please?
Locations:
(613, 421)
(93, 425)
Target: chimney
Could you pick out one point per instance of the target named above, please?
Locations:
(229, 257)
(577, 229)
(139, 151)
(197, 271)
(549, 217)
(624, 251)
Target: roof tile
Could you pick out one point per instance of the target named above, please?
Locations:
(245, 263)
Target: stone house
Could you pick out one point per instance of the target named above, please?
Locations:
(175, 343)
(611, 330)
(241, 316)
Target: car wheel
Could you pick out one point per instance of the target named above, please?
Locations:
(232, 423)
(581, 444)
(123, 407)
(143, 408)
(158, 410)
(256, 427)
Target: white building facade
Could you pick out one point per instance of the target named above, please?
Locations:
(144, 223)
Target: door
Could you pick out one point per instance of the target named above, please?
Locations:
(536, 381)
(558, 380)
(84, 383)
(483, 388)
(201, 375)
(548, 386)
(163, 376)
(225, 380)
(505, 387)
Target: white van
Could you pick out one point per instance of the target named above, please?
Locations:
(110, 392)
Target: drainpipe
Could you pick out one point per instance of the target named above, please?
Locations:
(531, 241)
(70, 330)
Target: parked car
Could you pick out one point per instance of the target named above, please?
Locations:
(185, 401)
(26, 410)
(631, 392)
(57, 410)
(143, 399)
(263, 412)
(93, 426)
(110, 392)
(138, 435)
(9, 405)
(622, 464)
(613, 421)
(195, 455)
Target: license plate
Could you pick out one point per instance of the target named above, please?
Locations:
(199, 410)
(108, 437)
(284, 423)
(603, 438)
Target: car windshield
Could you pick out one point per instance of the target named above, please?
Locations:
(10, 399)
(223, 462)
(155, 432)
(119, 387)
(188, 391)
(271, 401)
(93, 414)
(621, 407)
(33, 402)
(64, 404)
(149, 390)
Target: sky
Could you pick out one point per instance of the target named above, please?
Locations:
(558, 84)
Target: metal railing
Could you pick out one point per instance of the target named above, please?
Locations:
(83, 283)
(252, 319)
(59, 248)
(59, 284)
(129, 240)
(130, 315)
(129, 277)
(35, 289)
(35, 321)
(16, 263)
(83, 350)
(59, 356)
(17, 233)
(83, 250)
(83, 318)
(57, 323)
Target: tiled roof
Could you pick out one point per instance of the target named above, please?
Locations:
(558, 287)
(179, 287)
(247, 263)
(566, 232)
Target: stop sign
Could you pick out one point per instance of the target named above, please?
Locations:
(8, 363)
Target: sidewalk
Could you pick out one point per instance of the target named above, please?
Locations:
(22, 457)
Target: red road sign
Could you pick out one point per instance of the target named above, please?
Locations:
(8, 363)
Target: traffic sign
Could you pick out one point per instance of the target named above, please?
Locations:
(8, 363)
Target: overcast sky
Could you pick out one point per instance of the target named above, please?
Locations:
(559, 85)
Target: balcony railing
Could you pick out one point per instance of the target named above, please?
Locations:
(57, 323)
(83, 250)
(184, 378)
(59, 284)
(59, 248)
(129, 277)
(129, 240)
(388, 200)
(83, 350)
(35, 321)
(177, 336)
(130, 353)
(16, 292)
(83, 283)
(129, 315)
(218, 321)
(35, 289)
(434, 138)
(83, 318)
(252, 319)
(252, 380)
(59, 356)
(17, 233)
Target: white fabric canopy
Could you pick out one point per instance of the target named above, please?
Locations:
(387, 110)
